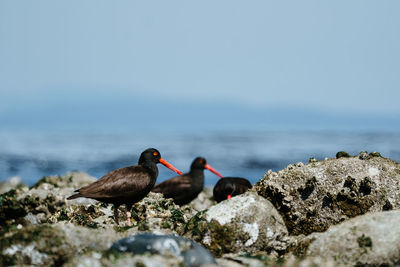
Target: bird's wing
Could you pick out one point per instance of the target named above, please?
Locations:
(244, 183)
(173, 186)
(118, 183)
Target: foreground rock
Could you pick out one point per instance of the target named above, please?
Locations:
(314, 196)
(193, 254)
(203, 201)
(12, 183)
(46, 202)
(245, 223)
(52, 244)
(369, 240)
(39, 226)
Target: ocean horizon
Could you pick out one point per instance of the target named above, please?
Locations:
(31, 155)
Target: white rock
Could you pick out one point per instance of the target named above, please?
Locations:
(230, 209)
(29, 251)
(253, 217)
(371, 239)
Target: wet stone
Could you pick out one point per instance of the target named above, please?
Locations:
(192, 253)
(342, 154)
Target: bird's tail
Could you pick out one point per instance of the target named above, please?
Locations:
(74, 196)
(156, 189)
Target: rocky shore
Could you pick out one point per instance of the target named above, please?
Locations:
(336, 212)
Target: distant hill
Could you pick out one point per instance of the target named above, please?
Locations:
(119, 113)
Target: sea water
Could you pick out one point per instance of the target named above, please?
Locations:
(249, 154)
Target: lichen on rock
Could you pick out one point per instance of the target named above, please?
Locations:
(246, 223)
(314, 196)
(36, 244)
(368, 240)
(40, 227)
(81, 224)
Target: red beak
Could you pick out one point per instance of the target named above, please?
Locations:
(211, 169)
(169, 166)
(229, 196)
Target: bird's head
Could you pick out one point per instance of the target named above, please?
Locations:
(201, 163)
(153, 155)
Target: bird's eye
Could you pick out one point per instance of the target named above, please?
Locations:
(155, 154)
(201, 161)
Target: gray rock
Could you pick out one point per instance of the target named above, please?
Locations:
(96, 259)
(34, 217)
(70, 180)
(314, 196)
(193, 254)
(310, 261)
(46, 202)
(11, 183)
(203, 201)
(46, 244)
(369, 240)
(259, 259)
(244, 223)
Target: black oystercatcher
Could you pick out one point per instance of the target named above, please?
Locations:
(228, 187)
(186, 187)
(126, 185)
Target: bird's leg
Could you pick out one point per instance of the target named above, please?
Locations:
(129, 214)
(116, 214)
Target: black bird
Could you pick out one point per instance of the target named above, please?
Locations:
(183, 189)
(228, 187)
(126, 185)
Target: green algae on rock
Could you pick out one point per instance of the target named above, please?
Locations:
(245, 223)
(10, 209)
(12, 183)
(70, 180)
(309, 198)
(368, 240)
(342, 154)
(314, 196)
(36, 245)
(83, 225)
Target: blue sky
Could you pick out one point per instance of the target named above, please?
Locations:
(336, 57)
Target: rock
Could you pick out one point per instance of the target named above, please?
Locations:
(46, 202)
(154, 212)
(375, 154)
(193, 254)
(368, 240)
(312, 197)
(245, 223)
(53, 244)
(80, 228)
(44, 211)
(39, 226)
(342, 154)
(97, 259)
(70, 180)
(363, 155)
(312, 160)
(11, 183)
(203, 201)
(311, 261)
(259, 259)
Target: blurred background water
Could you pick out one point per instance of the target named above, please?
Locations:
(245, 154)
(251, 86)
